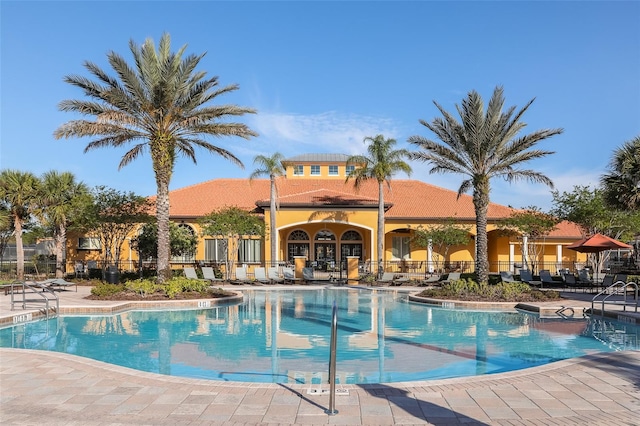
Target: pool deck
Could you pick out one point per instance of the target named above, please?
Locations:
(39, 387)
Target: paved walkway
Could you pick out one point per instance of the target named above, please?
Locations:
(50, 388)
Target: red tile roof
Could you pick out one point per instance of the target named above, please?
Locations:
(405, 199)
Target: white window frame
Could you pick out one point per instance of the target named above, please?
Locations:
(89, 243)
(350, 168)
(250, 250)
(333, 170)
(400, 248)
(215, 250)
(298, 170)
(315, 170)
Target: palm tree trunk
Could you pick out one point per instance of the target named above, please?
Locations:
(17, 224)
(162, 216)
(481, 204)
(61, 237)
(380, 239)
(272, 221)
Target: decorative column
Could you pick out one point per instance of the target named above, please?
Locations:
(512, 256)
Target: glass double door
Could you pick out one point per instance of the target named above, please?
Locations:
(325, 257)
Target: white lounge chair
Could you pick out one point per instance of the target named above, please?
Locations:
(453, 276)
(241, 277)
(209, 274)
(290, 276)
(273, 275)
(260, 273)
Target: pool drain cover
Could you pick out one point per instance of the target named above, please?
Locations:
(326, 392)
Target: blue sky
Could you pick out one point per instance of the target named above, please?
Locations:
(324, 75)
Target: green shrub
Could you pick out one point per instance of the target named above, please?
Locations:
(106, 289)
(172, 287)
(143, 287)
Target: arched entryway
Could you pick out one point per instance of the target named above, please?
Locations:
(325, 247)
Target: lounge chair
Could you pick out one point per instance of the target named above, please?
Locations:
(260, 273)
(507, 277)
(451, 277)
(432, 280)
(209, 274)
(309, 276)
(52, 283)
(241, 277)
(607, 281)
(290, 276)
(527, 277)
(385, 279)
(273, 275)
(570, 281)
(545, 278)
(190, 273)
(401, 279)
(621, 277)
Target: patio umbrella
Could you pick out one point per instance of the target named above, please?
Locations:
(596, 244)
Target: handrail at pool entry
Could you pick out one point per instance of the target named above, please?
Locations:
(618, 288)
(332, 362)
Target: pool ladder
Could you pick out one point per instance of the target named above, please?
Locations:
(45, 294)
(332, 362)
(620, 289)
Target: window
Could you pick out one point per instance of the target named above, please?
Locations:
(352, 236)
(89, 243)
(185, 257)
(215, 250)
(315, 170)
(400, 248)
(333, 170)
(298, 169)
(350, 169)
(249, 251)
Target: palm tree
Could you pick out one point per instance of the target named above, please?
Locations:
(60, 197)
(622, 182)
(481, 147)
(19, 192)
(381, 164)
(160, 104)
(273, 167)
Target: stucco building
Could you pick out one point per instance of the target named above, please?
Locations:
(324, 219)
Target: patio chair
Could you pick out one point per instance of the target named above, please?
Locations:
(52, 283)
(273, 275)
(527, 277)
(386, 278)
(621, 277)
(400, 279)
(290, 276)
(260, 273)
(607, 281)
(190, 273)
(451, 277)
(546, 278)
(507, 277)
(241, 277)
(431, 280)
(308, 275)
(209, 274)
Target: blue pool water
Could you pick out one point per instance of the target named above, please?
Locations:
(283, 337)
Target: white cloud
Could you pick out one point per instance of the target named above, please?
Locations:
(324, 132)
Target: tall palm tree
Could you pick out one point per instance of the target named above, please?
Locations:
(381, 163)
(162, 105)
(482, 146)
(622, 182)
(19, 192)
(273, 167)
(60, 197)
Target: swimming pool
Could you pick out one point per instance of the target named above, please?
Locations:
(283, 337)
